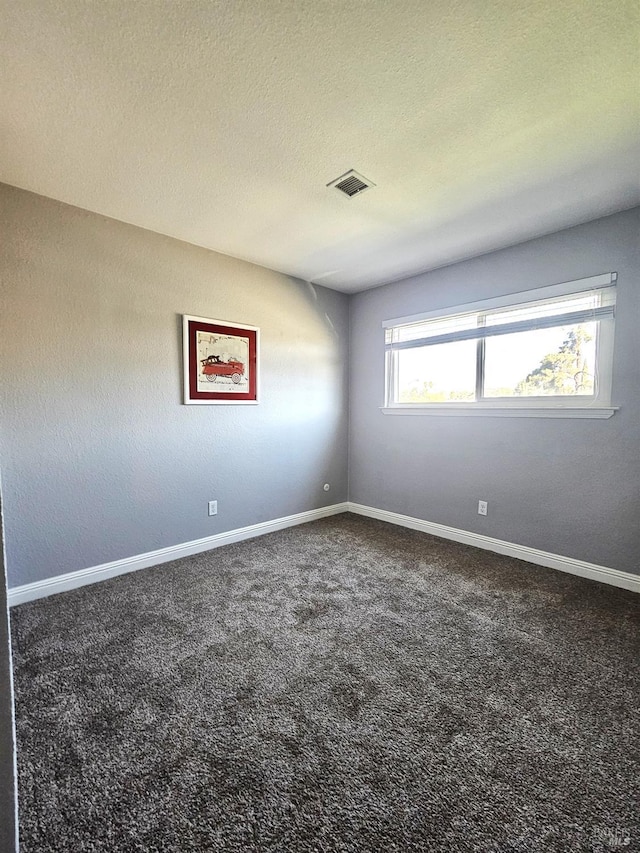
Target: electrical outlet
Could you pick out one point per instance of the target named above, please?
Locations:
(482, 507)
(213, 507)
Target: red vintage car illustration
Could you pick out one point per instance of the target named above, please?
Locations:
(213, 367)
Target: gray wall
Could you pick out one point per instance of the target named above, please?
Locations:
(100, 459)
(571, 487)
(7, 768)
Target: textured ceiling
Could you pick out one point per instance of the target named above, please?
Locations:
(220, 122)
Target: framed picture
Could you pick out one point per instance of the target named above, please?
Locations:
(220, 361)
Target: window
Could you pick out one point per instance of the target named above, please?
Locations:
(546, 352)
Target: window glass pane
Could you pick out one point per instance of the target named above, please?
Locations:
(542, 362)
(443, 373)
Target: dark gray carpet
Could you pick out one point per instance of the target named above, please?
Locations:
(346, 685)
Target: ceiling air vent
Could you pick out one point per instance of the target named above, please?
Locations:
(351, 183)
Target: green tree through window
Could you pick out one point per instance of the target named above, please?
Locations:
(563, 372)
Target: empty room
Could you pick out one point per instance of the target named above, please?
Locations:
(319, 426)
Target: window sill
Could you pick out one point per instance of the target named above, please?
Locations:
(493, 411)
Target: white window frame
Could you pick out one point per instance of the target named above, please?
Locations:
(597, 405)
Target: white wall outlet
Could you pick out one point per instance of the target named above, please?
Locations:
(213, 507)
(326, 487)
(482, 507)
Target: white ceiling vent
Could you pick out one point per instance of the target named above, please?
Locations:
(351, 183)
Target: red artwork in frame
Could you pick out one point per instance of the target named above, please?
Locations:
(220, 361)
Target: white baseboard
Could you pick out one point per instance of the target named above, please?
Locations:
(614, 577)
(72, 580)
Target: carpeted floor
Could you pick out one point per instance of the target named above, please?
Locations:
(342, 686)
